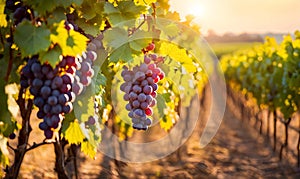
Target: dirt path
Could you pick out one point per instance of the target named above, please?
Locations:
(237, 151)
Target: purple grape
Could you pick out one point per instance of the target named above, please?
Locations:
(77, 88)
(127, 77)
(135, 120)
(36, 67)
(91, 120)
(63, 98)
(52, 100)
(143, 67)
(67, 78)
(144, 82)
(40, 114)
(85, 67)
(67, 108)
(56, 109)
(147, 89)
(39, 102)
(46, 69)
(148, 122)
(47, 108)
(150, 80)
(24, 83)
(147, 60)
(48, 133)
(71, 96)
(144, 105)
(136, 89)
(92, 55)
(55, 93)
(45, 91)
(47, 83)
(142, 97)
(135, 104)
(128, 107)
(85, 80)
(12, 135)
(37, 83)
(154, 86)
(34, 91)
(131, 114)
(132, 95)
(43, 126)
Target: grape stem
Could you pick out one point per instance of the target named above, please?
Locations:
(138, 27)
(35, 145)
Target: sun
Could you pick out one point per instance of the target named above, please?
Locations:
(196, 10)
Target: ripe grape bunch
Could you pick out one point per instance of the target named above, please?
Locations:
(140, 88)
(54, 89)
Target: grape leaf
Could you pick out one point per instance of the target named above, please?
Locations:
(88, 149)
(42, 6)
(73, 133)
(161, 105)
(125, 11)
(31, 39)
(71, 42)
(51, 56)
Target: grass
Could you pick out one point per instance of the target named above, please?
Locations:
(227, 48)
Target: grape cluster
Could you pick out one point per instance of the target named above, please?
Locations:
(51, 88)
(20, 11)
(140, 88)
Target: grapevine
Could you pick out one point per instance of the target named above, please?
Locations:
(63, 57)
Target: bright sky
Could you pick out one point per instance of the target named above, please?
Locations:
(252, 16)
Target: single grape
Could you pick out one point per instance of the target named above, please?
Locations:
(135, 104)
(70, 60)
(43, 126)
(55, 93)
(34, 91)
(128, 107)
(154, 86)
(90, 73)
(151, 66)
(154, 94)
(144, 82)
(24, 83)
(147, 89)
(48, 133)
(144, 105)
(92, 55)
(143, 67)
(148, 122)
(40, 114)
(127, 77)
(52, 100)
(47, 108)
(85, 67)
(132, 96)
(39, 102)
(131, 114)
(148, 112)
(122, 87)
(77, 88)
(36, 67)
(91, 120)
(37, 83)
(147, 60)
(150, 80)
(67, 78)
(47, 83)
(153, 102)
(63, 98)
(67, 108)
(149, 73)
(12, 135)
(85, 80)
(136, 89)
(46, 69)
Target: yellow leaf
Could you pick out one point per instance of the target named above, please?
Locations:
(179, 55)
(71, 42)
(74, 134)
(88, 149)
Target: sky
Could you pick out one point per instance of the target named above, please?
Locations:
(238, 16)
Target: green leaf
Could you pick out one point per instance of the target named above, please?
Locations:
(43, 6)
(161, 105)
(51, 56)
(122, 53)
(31, 39)
(125, 11)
